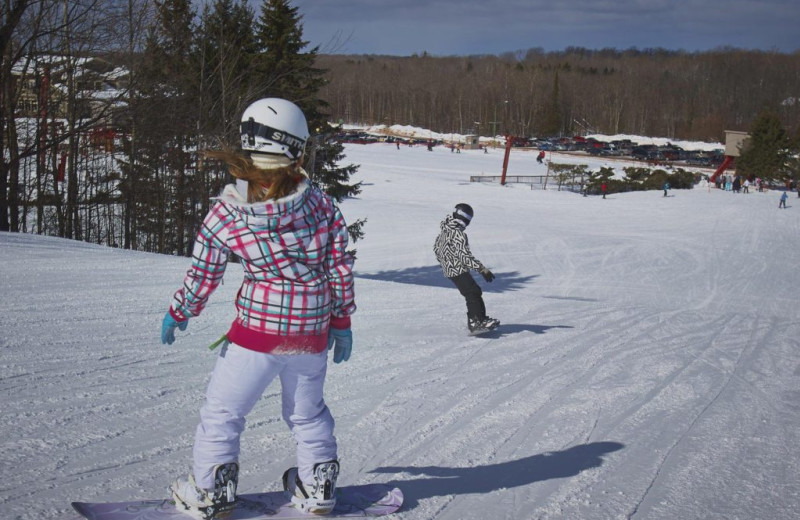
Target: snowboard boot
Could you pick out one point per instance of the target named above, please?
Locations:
(475, 326)
(490, 323)
(479, 326)
(318, 497)
(212, 503)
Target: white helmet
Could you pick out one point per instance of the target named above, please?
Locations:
(274, 126)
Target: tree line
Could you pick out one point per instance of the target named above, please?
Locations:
(652, 92)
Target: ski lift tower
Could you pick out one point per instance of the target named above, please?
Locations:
(733, 146)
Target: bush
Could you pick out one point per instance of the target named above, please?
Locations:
(641, 179)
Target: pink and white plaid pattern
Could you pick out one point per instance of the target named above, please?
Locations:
(298, 277)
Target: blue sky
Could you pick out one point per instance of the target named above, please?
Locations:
(464, 27)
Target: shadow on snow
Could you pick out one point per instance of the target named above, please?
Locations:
(443, 481)
(516, 328)
(432, 276)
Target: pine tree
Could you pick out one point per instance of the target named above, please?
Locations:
(226, 50)
(766, 151)
(596, 179)
(284, 70)
(158, 184)
(551, 124)
(793, 159)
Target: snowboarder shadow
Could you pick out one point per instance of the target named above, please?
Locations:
(431, 276)
(516, 328)
(443, 481)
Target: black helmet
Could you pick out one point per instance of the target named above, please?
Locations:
(463, 213)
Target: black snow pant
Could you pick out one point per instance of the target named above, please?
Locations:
(471, 292)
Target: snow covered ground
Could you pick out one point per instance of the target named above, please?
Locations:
(648, 365)
(422, 133)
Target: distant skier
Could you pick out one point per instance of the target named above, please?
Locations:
(782, 203)
(294, 304)
(666, 188)
(452, 252)
(540, 157)
(604, 188)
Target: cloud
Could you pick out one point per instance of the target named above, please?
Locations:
(445, 27)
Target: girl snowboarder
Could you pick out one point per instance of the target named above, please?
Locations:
(295, 303)
(452, 252)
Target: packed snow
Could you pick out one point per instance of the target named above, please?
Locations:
(647, 365)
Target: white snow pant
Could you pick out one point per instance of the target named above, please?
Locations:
(239, 378)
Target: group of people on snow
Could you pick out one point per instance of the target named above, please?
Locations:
(294, 305)
(735, 184)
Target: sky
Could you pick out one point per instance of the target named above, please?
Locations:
(474, 27)
(647, 365)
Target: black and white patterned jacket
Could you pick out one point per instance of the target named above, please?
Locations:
(452, 249)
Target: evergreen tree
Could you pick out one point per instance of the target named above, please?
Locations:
(604, 175)
(159, 186)
(226, 49)
(551, 124)
(284, 70)
(766, 151)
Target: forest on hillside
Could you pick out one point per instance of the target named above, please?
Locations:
(653, 92)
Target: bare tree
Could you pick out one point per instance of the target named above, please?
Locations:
(42, 39)
(654, 92)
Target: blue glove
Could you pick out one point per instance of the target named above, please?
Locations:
(168, 327)
(343, 341)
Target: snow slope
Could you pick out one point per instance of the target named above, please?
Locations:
(648, 363)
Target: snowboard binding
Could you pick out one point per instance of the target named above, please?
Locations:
(214, 504)
(318, 498)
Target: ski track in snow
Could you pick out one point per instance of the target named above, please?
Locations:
(646, 366)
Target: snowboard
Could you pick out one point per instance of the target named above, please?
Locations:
(351, 502)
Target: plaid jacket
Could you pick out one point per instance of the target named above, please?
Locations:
(298, 278)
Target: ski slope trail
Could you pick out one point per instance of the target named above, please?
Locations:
(647, 365)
